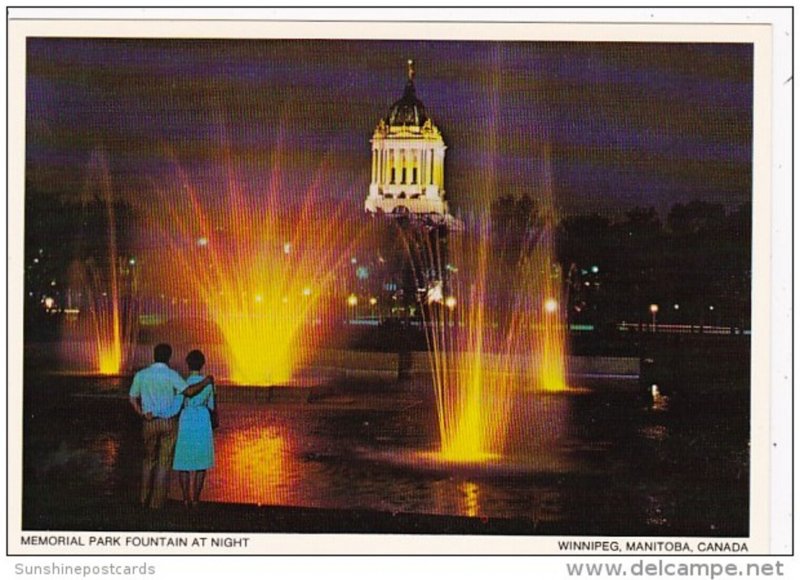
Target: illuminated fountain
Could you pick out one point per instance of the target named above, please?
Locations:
(262, 266)
(495, 329)
(101, 323)
(490, 293)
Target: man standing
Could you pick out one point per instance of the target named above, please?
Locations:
(157, 395)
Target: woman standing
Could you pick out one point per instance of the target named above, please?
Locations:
(194, 449)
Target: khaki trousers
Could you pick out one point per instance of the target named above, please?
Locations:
(159, 448)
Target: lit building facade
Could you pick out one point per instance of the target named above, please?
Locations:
(408, 161)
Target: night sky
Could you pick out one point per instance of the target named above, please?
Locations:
(626, 125)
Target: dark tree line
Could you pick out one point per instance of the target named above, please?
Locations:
(60, 233)
(696, 266)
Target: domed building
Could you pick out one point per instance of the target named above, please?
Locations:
(408, 161)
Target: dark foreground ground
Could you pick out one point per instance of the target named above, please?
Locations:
(103, 514)
(605, 461)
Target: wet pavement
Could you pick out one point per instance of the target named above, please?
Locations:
(606, 460)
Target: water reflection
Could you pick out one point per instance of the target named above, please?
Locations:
(585, 461)
(252, 463)
(470, 491)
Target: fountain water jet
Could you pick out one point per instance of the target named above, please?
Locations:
(263, 269)
(499, 331)
(104, 287)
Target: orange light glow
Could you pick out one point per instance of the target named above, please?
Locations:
(502, 339)
(471, 493)
(265, 276)
(106, 331)
(252, 465)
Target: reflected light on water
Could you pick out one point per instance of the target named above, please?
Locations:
(470, 491)
(266, 272)
(104, 287)
(251, 466)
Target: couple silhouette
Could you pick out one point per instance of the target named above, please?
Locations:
(176, 427)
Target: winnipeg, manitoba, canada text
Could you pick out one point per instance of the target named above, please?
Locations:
(654, 546)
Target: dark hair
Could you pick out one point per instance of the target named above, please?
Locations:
(195, 360)
(162, 353)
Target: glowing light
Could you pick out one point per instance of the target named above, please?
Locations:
(373, 301)
(352, 300)
(269, 249)
(132, 261)
(711, 308)
(676, 306)
(253, 466)
(654, 308)
(595, 269)
(202, 242)
(500, 340)
(551, 305)
(471, 495)
(450, 302)
(108, 325)
(49, 302)
(435, 293)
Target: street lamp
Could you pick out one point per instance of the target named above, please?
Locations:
(654, 311)
(352, 302)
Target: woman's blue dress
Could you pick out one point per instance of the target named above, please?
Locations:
(194, 448)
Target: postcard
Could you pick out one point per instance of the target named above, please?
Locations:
(372, 286)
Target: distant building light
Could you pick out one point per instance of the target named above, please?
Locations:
(654, 308)
(550, 305)
(595, 269)
(352, 300)
(287, 248)
(450, 302)
(353, 260)
(202, 242)
(306, 291)
(49, 302)
(435, 293)
(132, 261)
(373, 301)
(711, 307)
(676, 306)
